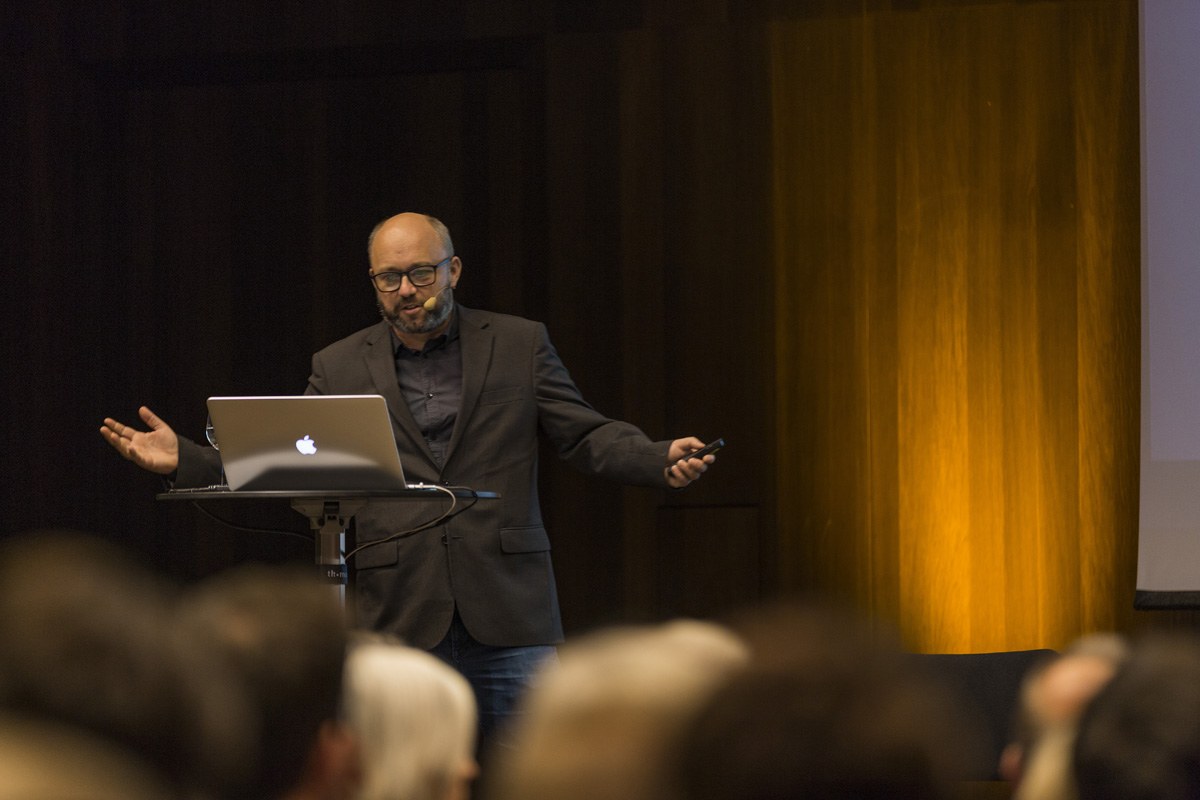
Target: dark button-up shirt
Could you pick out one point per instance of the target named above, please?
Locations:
(431, 381)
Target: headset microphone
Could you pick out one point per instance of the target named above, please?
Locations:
(431, 304)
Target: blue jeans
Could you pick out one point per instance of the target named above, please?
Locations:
(499, 677)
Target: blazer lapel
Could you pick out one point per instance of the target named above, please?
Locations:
(476, 339)
(381, 364)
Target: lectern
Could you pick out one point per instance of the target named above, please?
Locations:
(329, 514)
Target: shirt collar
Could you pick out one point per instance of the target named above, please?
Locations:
(400, 349)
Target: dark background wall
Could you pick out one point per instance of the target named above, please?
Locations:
(188, 188)
(839, 234)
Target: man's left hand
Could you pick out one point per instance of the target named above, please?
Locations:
(684, 470)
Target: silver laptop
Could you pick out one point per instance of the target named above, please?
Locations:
(306, 443)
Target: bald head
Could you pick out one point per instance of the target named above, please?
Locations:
(415, 221)
(403, 248)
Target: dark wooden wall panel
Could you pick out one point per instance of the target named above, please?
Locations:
(217, 172)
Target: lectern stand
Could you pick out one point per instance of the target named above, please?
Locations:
(329, 515)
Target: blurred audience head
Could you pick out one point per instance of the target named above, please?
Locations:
(282, 633)
(598, 721)
(1140, 736)
(416, 720)
(828, 708)
(92, 658)
(43, 760)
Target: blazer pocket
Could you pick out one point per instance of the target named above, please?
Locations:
(524, 540)
(505, 395)
(384, 554)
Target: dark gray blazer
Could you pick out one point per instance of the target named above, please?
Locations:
(493, 560)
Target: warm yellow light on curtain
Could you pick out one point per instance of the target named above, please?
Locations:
(954, 215)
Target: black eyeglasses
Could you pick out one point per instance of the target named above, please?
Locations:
(418, 276)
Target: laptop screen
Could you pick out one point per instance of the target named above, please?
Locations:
(306, 443)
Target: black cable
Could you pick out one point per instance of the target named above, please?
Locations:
(444, 517)
(278, 531)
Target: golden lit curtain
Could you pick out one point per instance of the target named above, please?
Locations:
(956, 269)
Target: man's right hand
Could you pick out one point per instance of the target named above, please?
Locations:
(156, 450)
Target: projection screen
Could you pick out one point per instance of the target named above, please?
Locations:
(1168, 573)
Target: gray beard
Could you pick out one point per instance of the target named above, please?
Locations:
(433, 320)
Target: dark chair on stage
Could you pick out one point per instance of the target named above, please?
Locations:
(986, 687)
